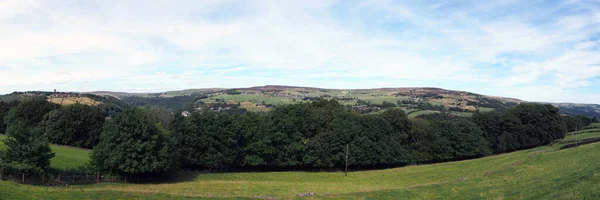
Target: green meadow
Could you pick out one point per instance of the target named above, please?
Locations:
(65, 157)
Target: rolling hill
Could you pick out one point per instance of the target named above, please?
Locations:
(415, 101)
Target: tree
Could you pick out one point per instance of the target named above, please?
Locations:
(502, 130)
(161, 114)
(74, 125)
(206, 140)
(252, 135)
(460, 139)
(132, 144)
(542, 123)
(31, 111)
(421, 137)
(573, 123)
(27, 147)
(4, 108)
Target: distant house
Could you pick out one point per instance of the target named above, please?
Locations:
(185, 113)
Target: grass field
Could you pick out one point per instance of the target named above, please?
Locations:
(484, 109)
(73, 100)
(592, 126)
(539, 173)
(422, 112)
(373, 97)
(254, 98)
(65, 158)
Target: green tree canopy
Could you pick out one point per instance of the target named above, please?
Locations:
(131, 143)
(30, 111)
(74, 125)
(27, 147)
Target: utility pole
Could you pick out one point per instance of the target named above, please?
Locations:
(576, 137)
(346, 174)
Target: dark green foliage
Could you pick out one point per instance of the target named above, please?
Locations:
(315, 135)
(206, 140)
(28, 150)
(502, 130)
(4, 108)
(421, 139)
(161, 115)
(525, 126)
(459, 139)
(574, 123)
(542, 123)
(217, 143)
(497, 105)
(30, 111)
(251, 130)
(27, 147)
(585, 121)
(74, 125)
(132, 143)
(173, 103)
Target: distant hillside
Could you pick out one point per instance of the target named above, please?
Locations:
(107, 103)
(591, 110)
(415, 101)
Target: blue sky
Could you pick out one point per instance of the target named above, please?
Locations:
(533, 50)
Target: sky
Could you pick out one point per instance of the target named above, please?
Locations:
(534, 50)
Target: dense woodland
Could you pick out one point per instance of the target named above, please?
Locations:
(134, 140)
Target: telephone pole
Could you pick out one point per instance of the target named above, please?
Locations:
(576, 137)
(346, 173)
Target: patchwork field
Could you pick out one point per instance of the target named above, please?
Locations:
(539, 173)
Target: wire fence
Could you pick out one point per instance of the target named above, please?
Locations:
(61, 179)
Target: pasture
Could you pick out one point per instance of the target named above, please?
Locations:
(65, 158)
(422, 112)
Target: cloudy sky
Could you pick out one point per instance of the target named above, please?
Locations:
(534, 50)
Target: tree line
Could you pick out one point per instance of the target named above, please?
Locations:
(304, 136)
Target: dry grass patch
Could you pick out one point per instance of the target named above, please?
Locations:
(74, 100)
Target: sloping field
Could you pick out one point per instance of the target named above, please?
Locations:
(65, 158)
(74, 100)
(539, 173)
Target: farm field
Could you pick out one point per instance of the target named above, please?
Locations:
(65, 158)
(539, 173)
(251, 98)
(73, 100)
(422, 112)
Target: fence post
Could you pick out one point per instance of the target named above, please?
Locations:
(59, 179)
(43, 179)
(97, 177)
(73, 179)
(23, 179)
(1, 173)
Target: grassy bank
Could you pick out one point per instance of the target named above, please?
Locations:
(539, 173)
(65, 158)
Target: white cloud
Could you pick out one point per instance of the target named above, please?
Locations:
(72, 43)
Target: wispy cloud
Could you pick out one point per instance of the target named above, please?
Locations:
(512, 48)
